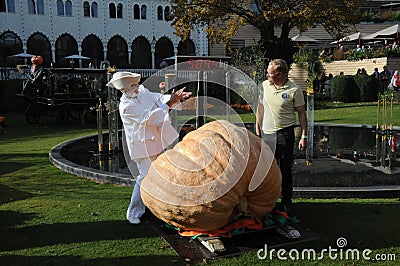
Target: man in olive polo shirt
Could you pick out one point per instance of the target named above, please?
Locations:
(275, 121)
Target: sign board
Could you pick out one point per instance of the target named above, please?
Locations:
(201, 63)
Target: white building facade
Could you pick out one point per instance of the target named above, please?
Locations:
(128, 34)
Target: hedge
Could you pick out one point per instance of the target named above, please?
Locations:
(354, 88)
(369, 87)
(344, 89)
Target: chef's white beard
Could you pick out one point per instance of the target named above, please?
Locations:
(130, 94)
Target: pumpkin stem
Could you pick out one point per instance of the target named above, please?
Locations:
(242, 208)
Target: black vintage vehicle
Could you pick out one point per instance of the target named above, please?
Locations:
(65, 93)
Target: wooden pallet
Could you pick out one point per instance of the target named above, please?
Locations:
(194, 250)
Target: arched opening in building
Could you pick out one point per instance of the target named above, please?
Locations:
(117, 52)
(141, 53)
(10, 44)
(65, 45)
(164, 49)
(92, 48)
(38, 44)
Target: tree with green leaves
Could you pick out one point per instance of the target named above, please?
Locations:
(222, 19)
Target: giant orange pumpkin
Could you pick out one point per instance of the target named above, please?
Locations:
(215, 174)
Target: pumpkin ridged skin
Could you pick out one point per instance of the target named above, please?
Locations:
(217, 162)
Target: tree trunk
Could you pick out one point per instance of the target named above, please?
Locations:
(279, 48)
(276, 47)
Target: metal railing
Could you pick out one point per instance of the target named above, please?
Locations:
(7, 73)
(13, 73)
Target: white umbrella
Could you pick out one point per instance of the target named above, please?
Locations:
(352, 37)
(22, 55)
(302, 38)
(76, 56)
(390, 32)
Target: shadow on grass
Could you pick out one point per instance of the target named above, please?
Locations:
(8, 194)
(17, 128)
(16, 238)
(363, 225)
(37, 154)
(77, 260)
(10, 167)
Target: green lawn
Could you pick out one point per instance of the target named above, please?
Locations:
(338, 113)
(357, 113)
(48, 217)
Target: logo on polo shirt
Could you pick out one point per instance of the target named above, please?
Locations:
(285, 96)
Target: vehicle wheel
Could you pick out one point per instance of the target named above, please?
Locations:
(32, 114)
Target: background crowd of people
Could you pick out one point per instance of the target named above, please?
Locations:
(388, 79)
(323, 84)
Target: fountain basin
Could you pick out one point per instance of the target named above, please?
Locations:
(327, 176)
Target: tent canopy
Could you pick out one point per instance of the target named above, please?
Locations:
(76, 56)
(22, 55)
(303, 38)
(355, 37)
(390, 32)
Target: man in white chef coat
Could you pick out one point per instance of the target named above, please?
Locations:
(147, 127)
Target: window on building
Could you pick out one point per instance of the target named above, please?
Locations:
(136, 11)
(167, 13)
(119, 10)
(2, 5)
(112, 10)
(31, 7)
(143, 12)
(95, 10)
(60, 8)
(234, 46)
(11, 6)
(159, 13)
(40, 7)
(86, 9)
(68, 8)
